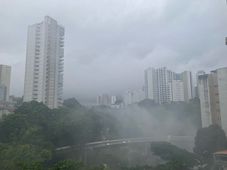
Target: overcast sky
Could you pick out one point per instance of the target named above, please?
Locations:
(109, 43)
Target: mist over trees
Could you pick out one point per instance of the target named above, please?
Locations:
(147, 119)
(29, 137)
(33, 132)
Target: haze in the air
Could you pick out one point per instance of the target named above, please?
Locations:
(109, 43)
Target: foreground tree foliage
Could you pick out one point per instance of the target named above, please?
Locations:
(173, 158)
(23, 156)
(68, 165)
(177, 159)
(209, 140)
(29, 137)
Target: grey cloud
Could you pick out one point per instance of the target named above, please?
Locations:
(108, 43)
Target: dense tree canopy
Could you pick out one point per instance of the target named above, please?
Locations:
(177, 158)
(209, 140)
(30, 135)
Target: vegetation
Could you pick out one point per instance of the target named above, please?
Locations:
(175, 155)
(174, 158)
(187, 113)
(30, 136)
(209, 140)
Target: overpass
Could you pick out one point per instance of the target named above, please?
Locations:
(125, 141)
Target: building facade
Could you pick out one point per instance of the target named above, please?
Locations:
(104, 100)
(197, 79)
(150, 84)
(204, 96)
(165, 86)
(5, 76)
(134, 96)
(222, 93)
(188, 87)
(164, 83)
(212, 90)
(44, 63)
(178, 91)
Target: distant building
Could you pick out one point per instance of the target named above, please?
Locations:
(165, 86)
(178, 91)
(164, 81)
(104, 99)
(44, 63)
(3, 93)
(5, 76)
(188, 88)
(128, 98)
(212, 90)
(134, 96)
(138, 95)
(113, 100)
(151, 86)
(197, 77)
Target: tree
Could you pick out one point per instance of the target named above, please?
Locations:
(209, 140)
(68, 165)
(172, 165)
(177, 159)
(71, 103)
(32, 107)
(22, 157)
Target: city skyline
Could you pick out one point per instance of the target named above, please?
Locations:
(142, 42)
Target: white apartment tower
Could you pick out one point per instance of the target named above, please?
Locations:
(165, 86)
(178, 91)
(44, 63)
(164, 81)
(5, 76)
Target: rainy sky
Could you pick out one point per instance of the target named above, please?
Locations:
(109, 43)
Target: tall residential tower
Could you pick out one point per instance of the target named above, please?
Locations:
(213, 98)
(5, 75)
(44, 63)
(165, 86)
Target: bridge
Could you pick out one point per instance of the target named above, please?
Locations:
(125, 141)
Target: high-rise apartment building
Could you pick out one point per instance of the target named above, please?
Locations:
(44, 63)
(5, 76)
(197, 79)
(165, 86)
(151, 86)
(204, 96)
(178, 91)
(188, 88)
(222, 93)
(164, 82)
(212, 90)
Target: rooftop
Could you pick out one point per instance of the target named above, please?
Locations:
(224, 152)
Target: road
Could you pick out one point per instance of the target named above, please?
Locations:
(108, 143)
